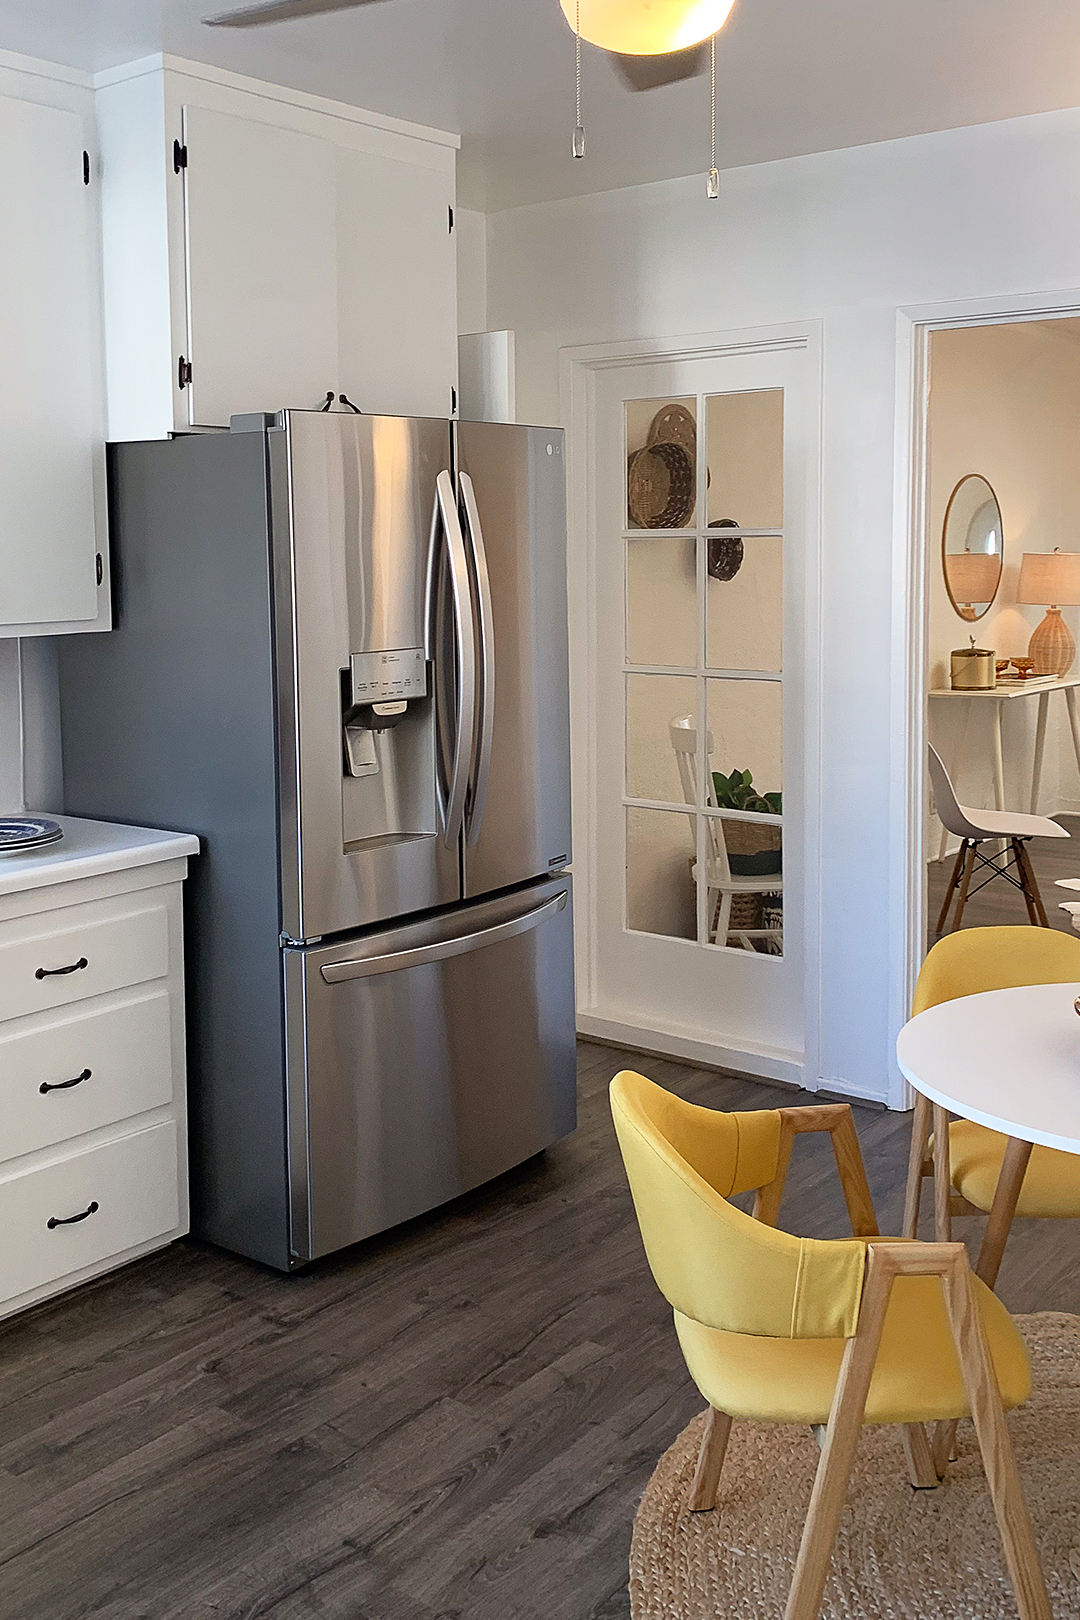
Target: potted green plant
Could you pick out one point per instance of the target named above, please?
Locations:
(754, 849)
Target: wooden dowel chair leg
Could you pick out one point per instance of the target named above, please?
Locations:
(710, 1462)
(943, 1447)
(1029, 900)
(1010, 1179)
(942, 1177)
(1031, 884)
(950, 889)
(969, 868)
(920, 1462)
(920, 1135)
(1014, 1523)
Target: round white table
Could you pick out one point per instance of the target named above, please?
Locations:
(1007, 1059)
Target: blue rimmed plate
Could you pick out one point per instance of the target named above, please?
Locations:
(27, 832)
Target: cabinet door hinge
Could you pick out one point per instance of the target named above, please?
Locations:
(86, 168)
(451, 213)
(99, 568)
(183, 373)
(179, 157)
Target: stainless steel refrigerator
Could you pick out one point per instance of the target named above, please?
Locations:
(340, 657)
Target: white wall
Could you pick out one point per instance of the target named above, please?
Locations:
(1005, 402)
(848, 238)
(470, 229)
(39, 737)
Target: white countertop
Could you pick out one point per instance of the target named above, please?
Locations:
(87, 849)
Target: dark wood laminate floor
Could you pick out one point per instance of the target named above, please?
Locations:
(999, 902)
(453, 1422)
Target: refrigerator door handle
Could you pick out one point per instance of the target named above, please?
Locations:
(486, 622)
(445, 509)
(418, 955)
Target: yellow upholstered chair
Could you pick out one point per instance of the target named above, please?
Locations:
(798, 1330)
(983, 1172)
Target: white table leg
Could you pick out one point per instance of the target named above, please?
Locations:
(960, 762)
(1040, 744)
(1074, 721)
(999, 762)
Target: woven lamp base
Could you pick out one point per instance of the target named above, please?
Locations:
(1052, 648)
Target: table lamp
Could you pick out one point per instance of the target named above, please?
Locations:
(1051, 579)
(972, 577)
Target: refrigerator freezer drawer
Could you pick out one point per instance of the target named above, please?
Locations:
(425, 1060)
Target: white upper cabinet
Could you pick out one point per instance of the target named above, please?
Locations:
(264, 249)
(397, 287)
(261, 267)
(51, 395)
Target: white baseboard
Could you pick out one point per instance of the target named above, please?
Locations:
(695, 1046)
(844, 1088)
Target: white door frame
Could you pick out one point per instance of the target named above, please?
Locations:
(912, 552)
(578, 370)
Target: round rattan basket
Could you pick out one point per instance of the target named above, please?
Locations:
(660, 487)
(673, 424)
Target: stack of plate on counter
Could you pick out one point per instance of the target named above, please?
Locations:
(18, 833)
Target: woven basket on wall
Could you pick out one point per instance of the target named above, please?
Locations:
(660, 487)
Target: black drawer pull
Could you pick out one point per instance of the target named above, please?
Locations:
(69, 1220)
(64, 1085)
(55, 973)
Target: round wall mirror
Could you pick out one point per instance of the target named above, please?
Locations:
(971, 547)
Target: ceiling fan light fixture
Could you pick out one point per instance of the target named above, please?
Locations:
(647, 27)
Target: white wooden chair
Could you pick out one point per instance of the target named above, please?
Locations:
(721, 885)
(977, 827)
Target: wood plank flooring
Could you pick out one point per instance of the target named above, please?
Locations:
(999, 902)
(453, 1422)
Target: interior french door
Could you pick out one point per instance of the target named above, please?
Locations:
(700, 522)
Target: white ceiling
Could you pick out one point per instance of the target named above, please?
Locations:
(795, 76)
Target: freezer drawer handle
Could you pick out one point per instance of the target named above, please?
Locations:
(397, 961)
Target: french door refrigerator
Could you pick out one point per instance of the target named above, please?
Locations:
(340, 656)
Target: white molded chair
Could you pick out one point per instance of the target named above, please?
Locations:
(975, 827)
(722, 886)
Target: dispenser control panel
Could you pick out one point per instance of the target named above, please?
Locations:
(388, 677)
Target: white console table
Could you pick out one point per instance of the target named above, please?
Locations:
(93, 1116)
(997, 696)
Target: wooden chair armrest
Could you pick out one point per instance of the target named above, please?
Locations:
(892, 1259)
(835, 1118)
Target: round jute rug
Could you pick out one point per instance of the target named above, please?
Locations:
(927, 1555)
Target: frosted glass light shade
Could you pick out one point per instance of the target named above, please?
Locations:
(1050, 577)
(647, 27)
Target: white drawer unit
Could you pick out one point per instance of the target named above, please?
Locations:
(64, 1076)
(85, 1208)
(80, 954)
(93, 1115)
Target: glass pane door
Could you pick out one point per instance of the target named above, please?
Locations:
(703, 666)
(695, 767)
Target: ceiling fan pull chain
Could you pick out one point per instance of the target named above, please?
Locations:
(578, 148)
(712, 187)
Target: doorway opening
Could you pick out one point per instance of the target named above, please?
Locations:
(1001, 504)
